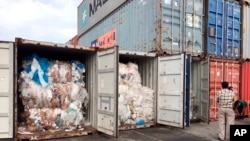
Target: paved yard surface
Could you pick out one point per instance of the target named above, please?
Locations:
(196, 132)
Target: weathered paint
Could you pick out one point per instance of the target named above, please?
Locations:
(246, 31)
(171, 90)
(223, 29)
(245, 89)
(171, 27)
(56, 51)
(91, 12)
(222, 70)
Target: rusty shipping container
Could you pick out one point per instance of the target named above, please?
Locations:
(101, 81)
(99, 118)
(223, 29)
(167, 26)
(245, 89)
(222, 70)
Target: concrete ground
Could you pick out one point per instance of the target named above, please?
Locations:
(196, 132)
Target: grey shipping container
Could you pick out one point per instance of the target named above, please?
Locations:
(246, 30)
(163, 26)
(166, 75)
(100, 119)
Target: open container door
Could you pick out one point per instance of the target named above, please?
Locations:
(107, 91)
(204, 91)
(171, 90)
(6, 90)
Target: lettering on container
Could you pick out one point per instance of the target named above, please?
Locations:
(106, 40)
(93, 7)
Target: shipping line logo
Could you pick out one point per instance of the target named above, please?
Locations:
(89, 10)
(84, 15)
(106, 40)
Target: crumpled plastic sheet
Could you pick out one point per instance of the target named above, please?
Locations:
(57, 118)
(42, 71)
(128, 74)
(135, 101)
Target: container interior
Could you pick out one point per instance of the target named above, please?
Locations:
(52, 53)
(195, 90)
(147, 67)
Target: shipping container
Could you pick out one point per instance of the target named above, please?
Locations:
(157, 73)
(206, 76)
(169, 98)
(246, 30)
(245, 90)
(222, 70)
(171, 27)
(197, 89)
(73, 41)
(100, 118)
(223, 29)
(146, 62)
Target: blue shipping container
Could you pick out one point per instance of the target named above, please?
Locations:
(224, 29)
(170, 26)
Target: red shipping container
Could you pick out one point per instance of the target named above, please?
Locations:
(222, 70)
(245, 87)
(74, 41)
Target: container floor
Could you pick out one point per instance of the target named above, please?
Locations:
(56, 134)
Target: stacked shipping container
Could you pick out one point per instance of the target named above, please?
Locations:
(222, 70)
(165, 32)
(162, 30)
(224, 46)
(223, 38)
(245, 78)
(185, 83)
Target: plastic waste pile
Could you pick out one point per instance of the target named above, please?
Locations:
(53, 94)
(135, 100)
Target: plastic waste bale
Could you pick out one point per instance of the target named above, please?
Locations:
(135, 100)
(78, 69)
(53, 94)
(35, 96)
(60, 72)
(71, 92)
(73, 116)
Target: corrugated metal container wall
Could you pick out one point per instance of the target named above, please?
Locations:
(222, 70)
(193, 27)
(245, 89)
(246, 31)
(133, 32)
(74, 40)
(216, 77)
(173, 26)
(163, 29)
(195, 86)
(224, 29)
